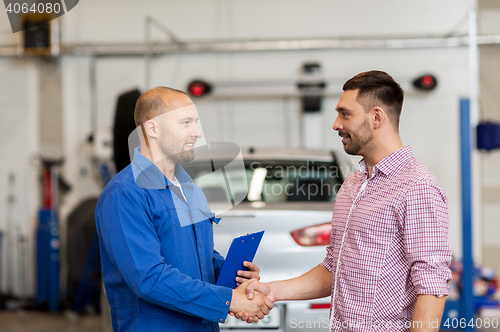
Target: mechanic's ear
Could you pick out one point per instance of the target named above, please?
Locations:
(151, 128)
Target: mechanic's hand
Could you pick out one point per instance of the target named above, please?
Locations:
(254, 288)
(254, 309)
(253, 273)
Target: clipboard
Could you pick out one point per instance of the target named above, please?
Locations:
(242, 249)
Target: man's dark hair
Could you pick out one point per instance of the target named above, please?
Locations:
(378, 87)
(152, 104)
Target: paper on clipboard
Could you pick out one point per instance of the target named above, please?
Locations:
(242, 249)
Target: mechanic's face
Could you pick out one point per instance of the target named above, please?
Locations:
(179, 132)
(353, 124)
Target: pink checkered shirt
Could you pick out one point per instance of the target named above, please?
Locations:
(389, 244)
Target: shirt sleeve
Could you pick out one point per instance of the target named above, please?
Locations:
(426, 237)
(129, 237)
(328, 261)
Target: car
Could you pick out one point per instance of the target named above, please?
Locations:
(291, 194)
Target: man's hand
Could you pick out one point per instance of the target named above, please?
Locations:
(314, 284)
(253, 273)
(255, 288)
(255, 309)
(261, 287)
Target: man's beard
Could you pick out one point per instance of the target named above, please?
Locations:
(181, 157)
(176, 156)
(358, 142)
(185, 156)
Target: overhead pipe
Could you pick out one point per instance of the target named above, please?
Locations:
(175, 47)
(274, 45)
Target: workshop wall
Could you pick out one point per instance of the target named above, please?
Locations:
(19, 196)
(122, 20)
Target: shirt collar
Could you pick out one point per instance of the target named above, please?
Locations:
(390, 163)
(148, 176)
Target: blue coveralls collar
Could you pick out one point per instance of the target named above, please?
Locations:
(148, 176)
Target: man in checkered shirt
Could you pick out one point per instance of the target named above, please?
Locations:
(387, 265)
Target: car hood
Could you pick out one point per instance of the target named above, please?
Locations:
(295, 206)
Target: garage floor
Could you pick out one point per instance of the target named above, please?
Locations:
(34, 321)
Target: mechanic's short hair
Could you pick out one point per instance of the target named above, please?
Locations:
(152, 103)
(377, 87)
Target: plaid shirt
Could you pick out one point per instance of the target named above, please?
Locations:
(388, 245)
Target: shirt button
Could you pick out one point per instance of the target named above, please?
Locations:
(220, 320)
(227, 302)
(188, 187)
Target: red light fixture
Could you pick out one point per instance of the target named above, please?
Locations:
(317, 235)
(198, 88)
(320, 306)
(425, 82)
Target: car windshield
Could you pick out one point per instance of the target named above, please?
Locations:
(273, 181)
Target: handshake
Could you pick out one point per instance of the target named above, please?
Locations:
(252, 300)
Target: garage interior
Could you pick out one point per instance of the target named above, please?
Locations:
(251, 68)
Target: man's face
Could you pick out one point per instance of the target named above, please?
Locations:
(179, 132)
(353, 124)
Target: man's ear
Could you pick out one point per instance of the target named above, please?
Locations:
(378, 116)
(151, 128)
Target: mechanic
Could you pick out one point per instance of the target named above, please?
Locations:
(387, 265)
(155, 231)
